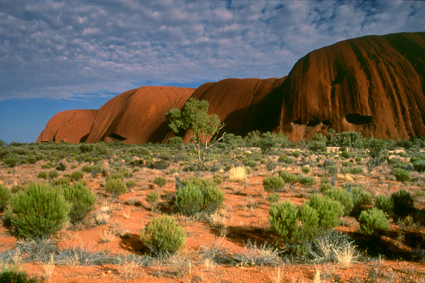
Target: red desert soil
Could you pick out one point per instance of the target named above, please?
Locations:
(68, 126)
(243, 217)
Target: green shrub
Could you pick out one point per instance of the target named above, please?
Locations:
(332, 170)
(328, 210)
(40, 211)
(307, 180)
(163, 236)
(86, 169)
(160, 181)
(356, 170)
(5, 197)
(47, 165)
(288, 177)
(213, 199)
(306, 169)
(373, 221)
(360, 198)
(115, 186)
(283, 219)
(42, 175)
(199, 182)
(273, 198)
(152, 197)
(384, 203)
(344, 197)
(218, 179)
(403, 203)
(345, 154)
(419, 165)
(250, 163)
(401, 174)
(77, 175)
(11, 162)
(130, 183)
(53, 174)
(81, 198)
(189, 199)
(115, 176)
(273, 183)
(310, 222)
(86, 147)
(31, 159)
(66, 181)
(14, 275)
(324, 187)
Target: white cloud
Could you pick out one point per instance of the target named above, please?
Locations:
(66, 49)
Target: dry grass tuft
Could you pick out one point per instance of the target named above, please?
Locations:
(49, 268)
(126, 214)
(346, 255)
(237, 174)
(180, 265)
(106, 236)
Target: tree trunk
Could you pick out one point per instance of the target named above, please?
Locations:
(198, 145)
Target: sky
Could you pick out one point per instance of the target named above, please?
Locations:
(61, 55)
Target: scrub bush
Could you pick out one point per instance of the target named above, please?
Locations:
(189, 199)
(115, 186)
(5, 197)
(343, 196)
(401, 174)
(403, 203)
(38, 212)
(160, 181)
(373, 221)
(283, 219)
(273, 183)
(328, 210)
(81, 198)
(163, 236)
(384, 203)
(288, 177)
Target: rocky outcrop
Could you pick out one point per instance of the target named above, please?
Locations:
(244, 105)
(373, 84)
(137, 115)
(68, 126)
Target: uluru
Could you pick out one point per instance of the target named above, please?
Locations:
(373, 84)
(69, 126)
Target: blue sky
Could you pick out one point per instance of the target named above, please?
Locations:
(60, 55)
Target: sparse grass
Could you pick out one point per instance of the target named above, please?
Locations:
(181, 266)
(253, 255)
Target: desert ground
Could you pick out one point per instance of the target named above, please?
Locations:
(235, 243)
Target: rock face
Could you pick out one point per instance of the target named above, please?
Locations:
(68, 126)
(137, 115)
(244, 105)
(373, 84)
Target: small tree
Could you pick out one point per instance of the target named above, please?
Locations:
(196, 122)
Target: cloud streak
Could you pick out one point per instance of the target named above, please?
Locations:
(74, 49)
